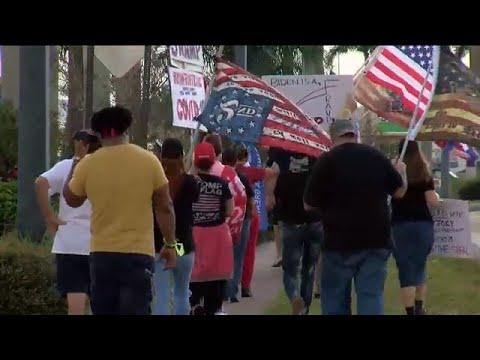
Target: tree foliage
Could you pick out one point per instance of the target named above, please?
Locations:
(9, 138)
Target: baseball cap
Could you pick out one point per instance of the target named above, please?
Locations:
(204, 151)
(341, 127)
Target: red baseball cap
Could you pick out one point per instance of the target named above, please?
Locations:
(204, 151)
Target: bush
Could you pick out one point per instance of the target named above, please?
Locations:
(470, 189)
(8, 205)
(27, 279)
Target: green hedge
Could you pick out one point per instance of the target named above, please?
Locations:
(8, 205)
(27, 279)
(469, 189)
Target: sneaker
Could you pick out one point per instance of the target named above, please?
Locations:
(421, 311)
(198, 310)
(298, 306)
(220, 312)
(234, 299)
(277, 263)
(246, 292)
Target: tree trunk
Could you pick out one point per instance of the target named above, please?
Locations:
(313, 60)
(54, 126)
(129, 94)
(76, 105)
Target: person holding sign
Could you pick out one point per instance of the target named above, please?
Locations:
(413, 229)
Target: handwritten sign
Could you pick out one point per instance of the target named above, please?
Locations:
(453, 237)
(189, 57)
(188, 95)
(323, 97)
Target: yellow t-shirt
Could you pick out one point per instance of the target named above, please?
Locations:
(119, 182)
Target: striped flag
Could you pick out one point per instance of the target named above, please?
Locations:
(391, 82)
(244, 108)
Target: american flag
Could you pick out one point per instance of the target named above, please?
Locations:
(244, 108)
(403, 70)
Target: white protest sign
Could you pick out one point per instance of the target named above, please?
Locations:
(189, 57)
(119, 59)
(453, 237)
(188, 95)
(322, 97)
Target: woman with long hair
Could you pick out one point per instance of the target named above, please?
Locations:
(184, 192)
(213, 242)
(413, 230)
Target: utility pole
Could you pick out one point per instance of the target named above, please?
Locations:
(33, 135)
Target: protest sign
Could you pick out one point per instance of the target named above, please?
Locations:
(188, 95)
(322, 97)
(453, 237)
(255, 161)
(189, 57)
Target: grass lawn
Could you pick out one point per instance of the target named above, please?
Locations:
(454, 286)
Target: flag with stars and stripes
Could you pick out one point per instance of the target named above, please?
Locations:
(244, 108)
(396, 79)
(455, 110)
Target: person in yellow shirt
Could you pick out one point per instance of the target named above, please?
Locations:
(121, 181)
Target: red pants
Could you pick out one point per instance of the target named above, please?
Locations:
(249, 258)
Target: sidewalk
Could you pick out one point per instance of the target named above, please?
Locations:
(267, 282)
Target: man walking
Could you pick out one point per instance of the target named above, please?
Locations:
(122, 180)
(349, 186)
(301, 231)
(70, 228)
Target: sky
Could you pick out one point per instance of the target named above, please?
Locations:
(351, 62)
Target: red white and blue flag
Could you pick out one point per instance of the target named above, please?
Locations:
(244, 108)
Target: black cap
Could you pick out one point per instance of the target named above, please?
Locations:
(86, 135)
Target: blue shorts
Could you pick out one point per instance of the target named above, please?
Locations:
(413, 244)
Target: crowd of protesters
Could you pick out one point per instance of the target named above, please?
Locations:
(138, 233)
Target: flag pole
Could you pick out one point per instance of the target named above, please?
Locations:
(411, 125)
(196, 134)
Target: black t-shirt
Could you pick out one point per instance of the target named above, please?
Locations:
(413, 206)
(350, 187)
(295, 170)
(209, 210)
(182, 203)
(249, 192)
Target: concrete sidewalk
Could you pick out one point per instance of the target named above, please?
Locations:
(267, 282)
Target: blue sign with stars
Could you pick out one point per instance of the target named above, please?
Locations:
(236, 114)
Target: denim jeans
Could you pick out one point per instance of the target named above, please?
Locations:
(413, 243)
(238, 255)
(176, 281)
(367, 269)
(301, 250)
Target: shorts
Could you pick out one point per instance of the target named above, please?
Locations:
(122, 284)
(73, 274)
(413, 244)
